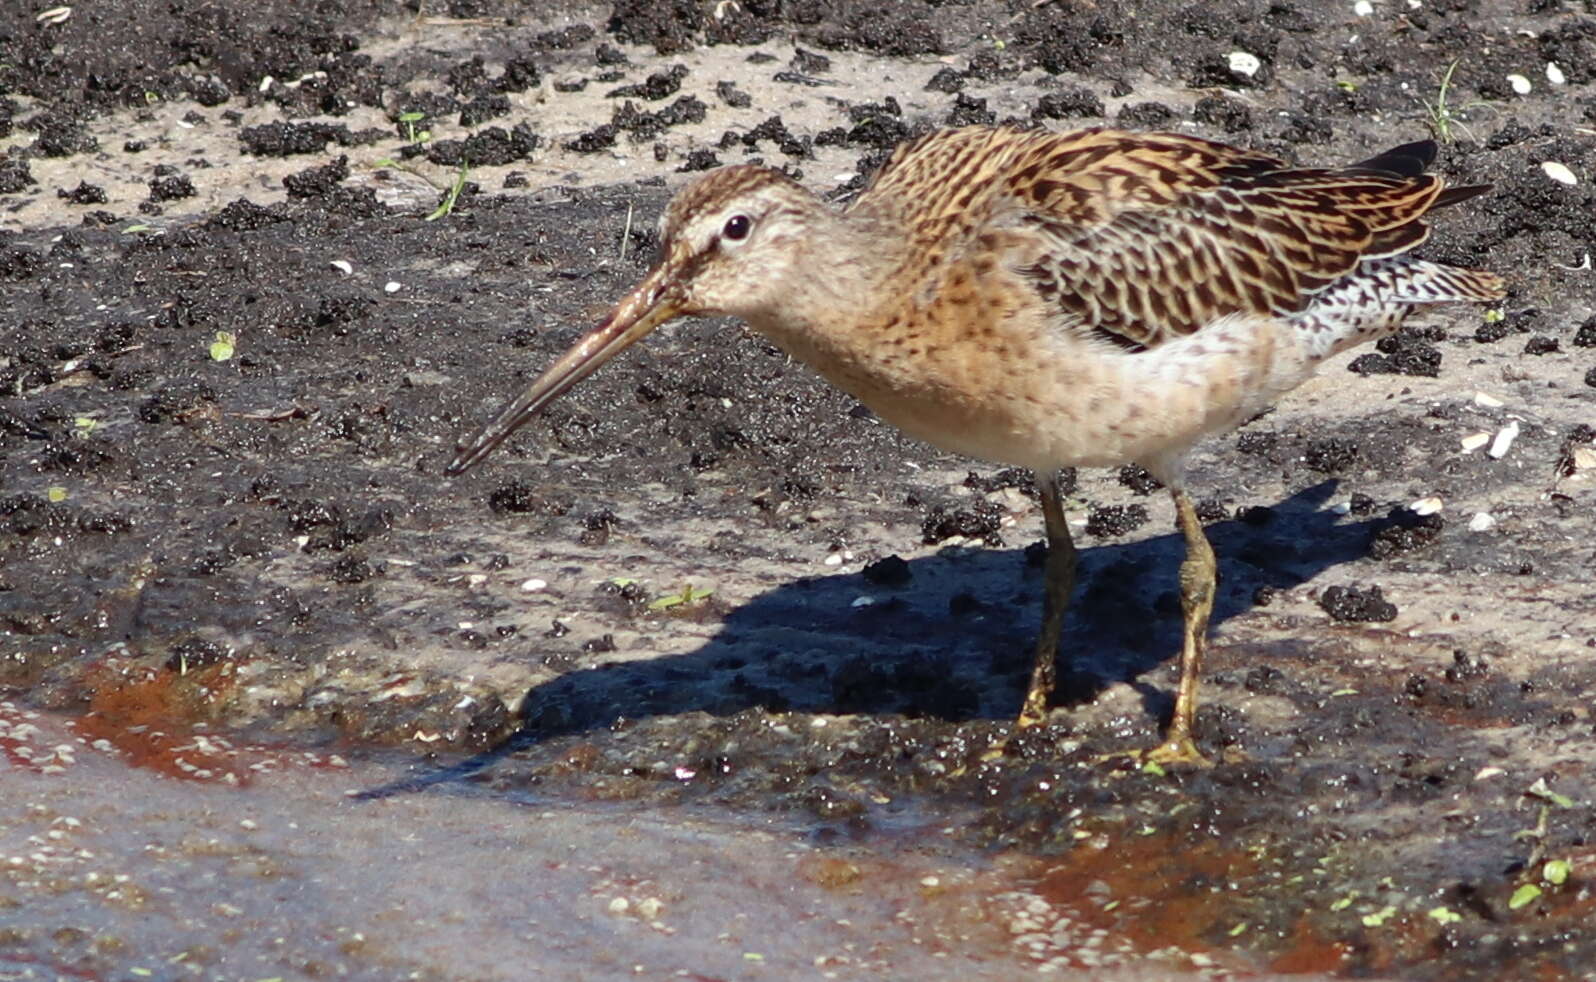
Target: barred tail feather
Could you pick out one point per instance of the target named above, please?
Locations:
(1425, 282)
(1373, 301)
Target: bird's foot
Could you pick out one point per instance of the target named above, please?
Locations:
(1175, 750)
(1032, 715)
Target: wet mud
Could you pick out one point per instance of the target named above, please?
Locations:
(262, 265)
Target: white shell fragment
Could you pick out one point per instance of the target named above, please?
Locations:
(1554, 74)
(1481, 521)
(533, 585)
(392, 286)
(55, 15)
(1559, 173)
(1504, 440)
(1475, 441)
(1243, 63)
(1584, 459)
(1488, 401)
(1426, 506)
(1363, 8)
(343, 266)
(1520, 84)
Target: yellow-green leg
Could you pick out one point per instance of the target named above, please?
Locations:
(1060, 583)
(1197, 576)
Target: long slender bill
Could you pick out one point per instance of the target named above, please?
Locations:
(639, 312)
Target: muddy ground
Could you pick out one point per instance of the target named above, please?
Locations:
(263, 263)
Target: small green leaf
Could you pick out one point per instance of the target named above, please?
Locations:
(1238, 930)
(688, 595)
(1556, 871)
(136, 228)
(1154, 768)
(56, 494)
(222, 348)
(84, 424)
(1523, 896)
(412, 117)
(1379, 917)
(1493, 316)
(1345, 692)
(1345, 902)
(1541, 790)
(1445, 915)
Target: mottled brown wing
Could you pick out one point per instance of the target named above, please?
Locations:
(1144, 237)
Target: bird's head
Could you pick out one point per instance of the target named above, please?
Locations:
(728, 244)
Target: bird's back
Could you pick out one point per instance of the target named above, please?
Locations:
(1139, 238)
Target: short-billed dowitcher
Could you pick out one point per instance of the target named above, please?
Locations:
(1050, 300)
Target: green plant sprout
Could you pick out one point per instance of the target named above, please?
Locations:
(1443, 115)
(413, 135)
(451, 196)
(689, 595)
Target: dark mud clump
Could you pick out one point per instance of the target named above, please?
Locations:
(1357, 604)
(1108, 521)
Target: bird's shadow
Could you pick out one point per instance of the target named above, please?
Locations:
(949, 636)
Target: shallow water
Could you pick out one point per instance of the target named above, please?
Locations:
(265, 867)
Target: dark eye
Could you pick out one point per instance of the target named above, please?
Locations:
(737, 227)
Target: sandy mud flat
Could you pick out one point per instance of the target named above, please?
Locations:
(733, 652)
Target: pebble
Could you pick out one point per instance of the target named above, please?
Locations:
(1504, 440)
(1426, 506)
(1559, 173)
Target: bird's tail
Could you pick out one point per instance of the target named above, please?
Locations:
(1373, 301)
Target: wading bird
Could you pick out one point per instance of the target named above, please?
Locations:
(1050, 300)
